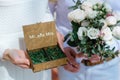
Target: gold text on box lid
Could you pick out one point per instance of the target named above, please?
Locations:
(40, 35)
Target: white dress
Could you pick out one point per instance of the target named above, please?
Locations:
(106, 71)
(13, 15)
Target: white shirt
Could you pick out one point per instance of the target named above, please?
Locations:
(99, 72)
(115, 4)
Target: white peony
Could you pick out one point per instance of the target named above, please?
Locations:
(77, 15)
(93, 33)
(111, 20)
(85, 23)
(107, 34)
(90, 13)
(86, 4)
(82, 31)
(116, 32)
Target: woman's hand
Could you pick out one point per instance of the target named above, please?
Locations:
(17, 57)
(72, 65)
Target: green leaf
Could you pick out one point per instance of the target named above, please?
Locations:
(113, 49)
(72, 43)
(99, 47)
(83, 42)
(93, 51)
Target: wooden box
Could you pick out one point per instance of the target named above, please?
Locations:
(41, 45)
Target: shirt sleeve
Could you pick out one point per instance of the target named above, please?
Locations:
(52, 6)
(118, 44)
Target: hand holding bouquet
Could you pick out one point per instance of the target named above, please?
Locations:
(95, 28)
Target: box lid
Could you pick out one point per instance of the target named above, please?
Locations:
(40, 35)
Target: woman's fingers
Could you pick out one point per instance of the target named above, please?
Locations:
(18, 57)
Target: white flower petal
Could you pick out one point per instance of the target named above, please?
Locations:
(93, 33)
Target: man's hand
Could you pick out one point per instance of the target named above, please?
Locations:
(95, 58)
(83, 57)
(17, 57)
(60, 40)
(72, 65)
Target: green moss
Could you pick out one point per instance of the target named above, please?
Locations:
(46, 54)
(54, 52)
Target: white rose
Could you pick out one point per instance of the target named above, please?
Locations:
(93, 33)
(108, 7)
(82, 31)
(117, 15)
(116, 32)
(86, 4)
(91, 14)
(77, 15)
(111, 20)
(85, 23)
(107, 34)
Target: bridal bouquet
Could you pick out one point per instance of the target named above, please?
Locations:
(95, 27)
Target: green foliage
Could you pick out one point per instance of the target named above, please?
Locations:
(72, 43)
(96, 23)
(78, 3)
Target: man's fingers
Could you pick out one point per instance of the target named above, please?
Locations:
(70, 55)
(74, 64)
(72, 52)
(94, 59)
(60, 40)
(71, 59)
(71, 68)
(61, 45)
